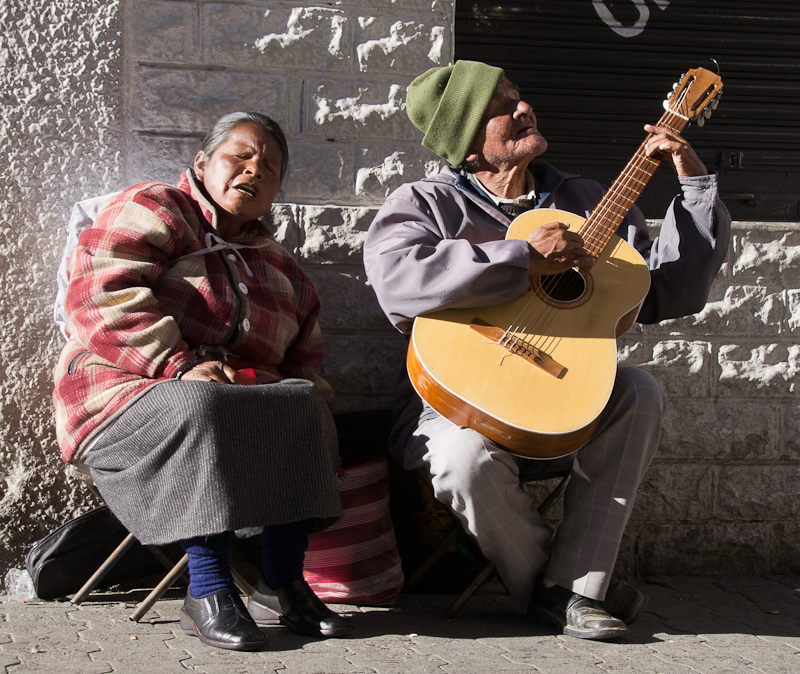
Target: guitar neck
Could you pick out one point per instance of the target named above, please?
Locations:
(602, 223)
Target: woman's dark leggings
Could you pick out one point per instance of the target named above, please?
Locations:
(283, 552)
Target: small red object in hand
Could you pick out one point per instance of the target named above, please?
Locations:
(246, 376)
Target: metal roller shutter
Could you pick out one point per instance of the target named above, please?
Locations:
(595, 72)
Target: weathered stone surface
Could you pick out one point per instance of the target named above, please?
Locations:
(364, 366)
(382, 169)
(682, 367)
(539, 491)
(740, 309)
(785, 544)
(348, 302)
(191, 100)
(165, 32)
(275, 36)
(758, 369)
(357, 109)
(791, 430)
(793, 305)
(769, 251)
(702, 547)
(386, 44)
(60, 119)
(160, 158)
(282, 224)
(757, 493)
(676, 492)
(722, 430)
(320, 172)
(445, 7)
(334, 234)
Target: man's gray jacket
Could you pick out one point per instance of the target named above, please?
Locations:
(437, 243)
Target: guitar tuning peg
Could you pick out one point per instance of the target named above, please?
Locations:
(714, 103)
(666, 105)
(707, 112)
(700, 121)
(675, 86)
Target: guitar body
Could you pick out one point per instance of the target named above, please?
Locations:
(540, 390)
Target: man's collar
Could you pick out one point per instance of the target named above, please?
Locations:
(547, 178)
(523, 200)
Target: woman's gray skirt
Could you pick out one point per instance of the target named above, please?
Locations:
(200, 458)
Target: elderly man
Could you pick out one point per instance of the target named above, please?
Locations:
(439, 243)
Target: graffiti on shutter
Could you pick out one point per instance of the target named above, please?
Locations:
(644, 14)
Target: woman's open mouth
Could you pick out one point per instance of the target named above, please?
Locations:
(245, 189)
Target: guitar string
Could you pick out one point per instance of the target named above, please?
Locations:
(564, 283)
(606, 218)
(636, 171)
(561, 283)
(597, 230)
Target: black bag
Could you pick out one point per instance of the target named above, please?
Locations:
(61, 562)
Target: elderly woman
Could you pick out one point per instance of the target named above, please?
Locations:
(173, 294)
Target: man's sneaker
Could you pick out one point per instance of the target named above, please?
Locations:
(624, 601)
(573, 614)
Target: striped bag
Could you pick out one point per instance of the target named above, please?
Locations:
(356, 561)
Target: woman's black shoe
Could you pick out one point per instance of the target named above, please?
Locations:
(297, 607)
(221, 620)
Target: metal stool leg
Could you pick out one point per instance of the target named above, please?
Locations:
(103, 569)
(480, 579)
(490, 568)
(434, 556)
(554, 495)
(160, 589)
(244, 587)
(165, 561)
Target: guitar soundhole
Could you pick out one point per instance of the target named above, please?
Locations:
(568, 289)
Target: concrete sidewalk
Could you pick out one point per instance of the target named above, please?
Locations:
(692, 625)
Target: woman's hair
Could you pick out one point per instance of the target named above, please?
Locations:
(224, 125)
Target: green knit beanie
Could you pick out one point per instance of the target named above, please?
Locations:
(447, 104)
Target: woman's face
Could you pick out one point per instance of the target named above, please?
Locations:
(242, 176)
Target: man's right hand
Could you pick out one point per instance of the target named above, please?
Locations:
(554, 249)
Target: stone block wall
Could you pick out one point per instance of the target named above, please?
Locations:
(62, 140)
(722, 496)
(101, 94)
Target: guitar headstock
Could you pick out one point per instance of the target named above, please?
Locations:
(695, 96)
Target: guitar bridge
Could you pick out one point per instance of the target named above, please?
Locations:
(519, 348)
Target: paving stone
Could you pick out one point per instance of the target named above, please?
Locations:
(692, 625)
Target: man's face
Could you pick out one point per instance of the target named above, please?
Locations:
(509, 136)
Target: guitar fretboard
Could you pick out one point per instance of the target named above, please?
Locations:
(602, 223)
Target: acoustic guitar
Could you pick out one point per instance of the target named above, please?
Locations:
(535, 374)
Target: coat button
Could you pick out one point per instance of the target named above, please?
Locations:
(246, 325)
(243, 288)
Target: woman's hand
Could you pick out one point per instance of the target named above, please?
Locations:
(554, 249)
(666, 144)
(211, 370)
